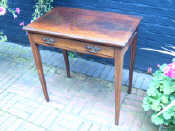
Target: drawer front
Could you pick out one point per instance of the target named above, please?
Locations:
(73, 45)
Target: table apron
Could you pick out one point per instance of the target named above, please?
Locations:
(73, 45)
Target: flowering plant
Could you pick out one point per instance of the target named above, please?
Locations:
(41, 7)
(3, 10)
(170, 70)
(161, 94)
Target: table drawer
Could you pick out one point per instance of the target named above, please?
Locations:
(73, 45)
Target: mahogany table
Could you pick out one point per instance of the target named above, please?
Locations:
(103, 34)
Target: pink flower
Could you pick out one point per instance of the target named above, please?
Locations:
(18, 11)
(22, 23)
(2, 11)
(149, 71)
(170, 70)
(158, 65)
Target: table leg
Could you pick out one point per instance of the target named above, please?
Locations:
(66, 59)
(132, 60)
(118, 58)
(39, 67)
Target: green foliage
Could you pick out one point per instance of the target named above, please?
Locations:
(72, 54)
(3, 3)
(3, 37)
(157, 120)
(161, 93)
(42, 7)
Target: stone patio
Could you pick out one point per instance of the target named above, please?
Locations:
(84, 102)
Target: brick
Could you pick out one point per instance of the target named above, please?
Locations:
(57, 127)
(134, 91)
(96, 117)
(50, 119)
(125, 77)
(37, 114)
(139, 81)
(3, 117)
(86, 126)
(15, 125)
(77, 66)
(105, 72)
(127, 118)
(76, 106)
(132, 97)
(95, 127)
(7, 102)
(119, 128)
(30, 127)
(138, 122)
(9, 121)
(69, 121)
(105, 128)
(132, 102)
(98, 71)
(148, 125)
(19, 113)
(43, 117)
(92, 68)
(84, 67)
(135, 76)
(145, 84)
(110, 76)
(58, 60)
(131, 108)
(141, 92)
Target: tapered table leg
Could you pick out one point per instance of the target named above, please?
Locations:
(132, 60)
(66, 59)
(39, 67)
(118, 58)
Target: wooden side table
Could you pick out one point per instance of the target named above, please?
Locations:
(97, 33)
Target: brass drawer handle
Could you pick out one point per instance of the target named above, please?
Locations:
(48, 40)
(92, 49)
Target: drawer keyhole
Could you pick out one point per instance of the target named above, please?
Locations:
(48, 40)
(92, 49)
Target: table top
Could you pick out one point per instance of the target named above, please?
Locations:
(111, 29)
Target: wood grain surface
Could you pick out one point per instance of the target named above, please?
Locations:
(93, 26)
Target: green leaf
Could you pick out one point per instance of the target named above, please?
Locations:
(168, 88)
(173, 121)
(157, 120)
(162, 67)
(164, 99)
(152, 91)
(167, 115)
(156, 105)
(3, 37)
(161, 92)
(146, 105)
